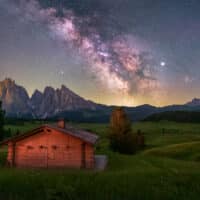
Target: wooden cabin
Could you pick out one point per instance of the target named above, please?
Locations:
(52, 146)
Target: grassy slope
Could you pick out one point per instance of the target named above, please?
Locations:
(183, 151)
(166, 169)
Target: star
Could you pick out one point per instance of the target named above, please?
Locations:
(162, 63)
(61, 72)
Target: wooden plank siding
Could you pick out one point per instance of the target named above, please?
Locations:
(51, 149)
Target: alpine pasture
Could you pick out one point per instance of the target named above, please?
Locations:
(168, 168)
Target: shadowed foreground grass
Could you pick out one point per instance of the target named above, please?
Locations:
(136, 177)
(167, 169)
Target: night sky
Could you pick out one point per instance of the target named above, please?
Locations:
(123, 52)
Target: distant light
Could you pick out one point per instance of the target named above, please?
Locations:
(61, 72)
(162, 63)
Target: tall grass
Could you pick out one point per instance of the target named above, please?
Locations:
(167, 170)
(127, 178)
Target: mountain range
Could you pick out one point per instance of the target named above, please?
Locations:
(62, 102)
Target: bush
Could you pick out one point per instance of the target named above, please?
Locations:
(140, 140)
(3, 157)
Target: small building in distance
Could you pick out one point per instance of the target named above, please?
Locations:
(52, 146)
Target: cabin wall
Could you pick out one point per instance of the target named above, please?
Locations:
(64, 150)
(51, 149)
(89, 156)
(28, 152)
(10, 154)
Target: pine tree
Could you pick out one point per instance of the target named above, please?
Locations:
(2, 122)
(121, 138)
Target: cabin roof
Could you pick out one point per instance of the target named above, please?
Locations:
(81, 134)
(69, 130)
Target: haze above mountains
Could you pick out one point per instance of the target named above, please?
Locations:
(65, 103)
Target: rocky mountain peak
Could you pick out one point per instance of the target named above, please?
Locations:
(36, 98)
(8, 81)
(49, 89)
(63, 87)
(14, 97)
(194, 102)
(36, 93)
(44, 104)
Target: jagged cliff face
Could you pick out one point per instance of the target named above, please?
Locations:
(14, 98)
(17, 103)
(59, 102)
(53, 101)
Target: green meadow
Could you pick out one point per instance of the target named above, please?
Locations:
(168, 169)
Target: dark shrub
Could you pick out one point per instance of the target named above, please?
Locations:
(140, 140)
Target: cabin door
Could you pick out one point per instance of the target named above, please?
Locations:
(83, 156)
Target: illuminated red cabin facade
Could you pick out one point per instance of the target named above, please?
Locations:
(52, 146)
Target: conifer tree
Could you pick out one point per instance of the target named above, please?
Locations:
(121, 137)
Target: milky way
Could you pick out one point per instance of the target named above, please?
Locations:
(117, 63)
(146, 52)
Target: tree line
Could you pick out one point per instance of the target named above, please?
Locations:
(176, 116)
(121, 137)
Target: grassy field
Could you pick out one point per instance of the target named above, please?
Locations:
(168, 169)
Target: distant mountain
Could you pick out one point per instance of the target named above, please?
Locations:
(14, 98)
(35, 100)
(17, 103)
(194, 102)
(52, 102)
(62, 102)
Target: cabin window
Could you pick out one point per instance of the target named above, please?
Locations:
(30, 147)
(67, 147)
(54, 147)
(42, 147)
